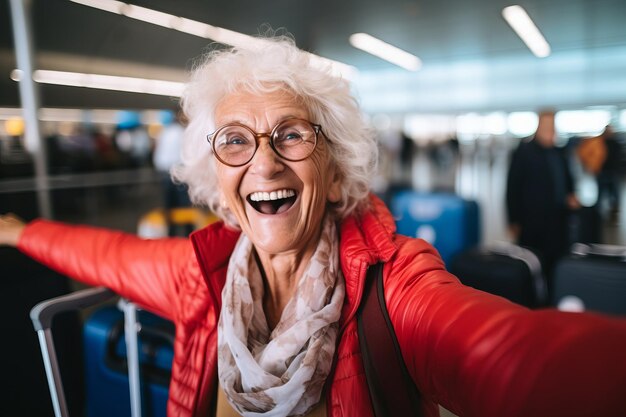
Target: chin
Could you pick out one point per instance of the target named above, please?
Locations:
(271, 246)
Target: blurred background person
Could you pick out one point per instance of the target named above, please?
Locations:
(608, 175)
(165, 157)
(132, 139)
(540, 194)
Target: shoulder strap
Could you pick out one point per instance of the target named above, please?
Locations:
(392, 391)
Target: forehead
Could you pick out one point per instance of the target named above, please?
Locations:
(247, 107)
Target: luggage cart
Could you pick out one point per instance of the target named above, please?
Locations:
(42, 315)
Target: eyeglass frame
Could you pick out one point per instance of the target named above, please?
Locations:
(317, 128)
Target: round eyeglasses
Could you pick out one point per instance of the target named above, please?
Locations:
(235, 144)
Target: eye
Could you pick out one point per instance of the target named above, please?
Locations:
(235, 140)
(233, 136)
(290, 134)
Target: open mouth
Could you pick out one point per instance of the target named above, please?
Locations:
(274, 202)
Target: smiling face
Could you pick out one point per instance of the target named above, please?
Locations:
(278, 204)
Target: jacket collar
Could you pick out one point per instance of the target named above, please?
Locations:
(213, 246)
(365, 240)
(369, 237)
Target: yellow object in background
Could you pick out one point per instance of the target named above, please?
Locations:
(14, 126)
(155, 224)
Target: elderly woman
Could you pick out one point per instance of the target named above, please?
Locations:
(264, 301)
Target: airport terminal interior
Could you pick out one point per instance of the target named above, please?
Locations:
(79, 142)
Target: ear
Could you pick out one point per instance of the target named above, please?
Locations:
(334, 189)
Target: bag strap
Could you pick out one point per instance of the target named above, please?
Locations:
(392, 391)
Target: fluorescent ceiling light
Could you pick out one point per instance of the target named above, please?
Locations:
(105, 82)
(98, 116)
(385, 51)
(7, 113)
(112, 6)
(181, 24)
(149, 16)
(526, 29)
(339, 69)
(200, 29)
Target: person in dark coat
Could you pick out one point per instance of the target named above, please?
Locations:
(608, 177)
(540, 194)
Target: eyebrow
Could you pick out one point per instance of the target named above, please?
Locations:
(280, 120)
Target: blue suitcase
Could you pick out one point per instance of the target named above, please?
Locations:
(106, 365)
(128, 354)
(447, 221)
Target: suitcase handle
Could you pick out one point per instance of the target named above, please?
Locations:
(132, 328)
(597, 249)
(43, 313)
(41, 316)
(532, 262)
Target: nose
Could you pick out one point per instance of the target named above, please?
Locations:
(265, 161)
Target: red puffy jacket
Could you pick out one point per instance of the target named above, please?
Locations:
(474, 353)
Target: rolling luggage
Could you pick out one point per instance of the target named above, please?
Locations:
(592, 277)
(503, 269)
(106, 362)
(446, 221)
(585, 226)
(114, 342)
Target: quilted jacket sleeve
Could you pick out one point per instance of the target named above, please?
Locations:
(481, 355)
(147, 272)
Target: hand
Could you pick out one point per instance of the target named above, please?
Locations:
(514, 231)
(572, 202)
(11, 228)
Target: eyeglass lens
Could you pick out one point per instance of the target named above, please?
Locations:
(292, 139)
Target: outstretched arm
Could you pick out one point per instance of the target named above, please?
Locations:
(148, 272)
(481, 355)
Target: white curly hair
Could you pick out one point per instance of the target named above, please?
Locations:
(276, 65)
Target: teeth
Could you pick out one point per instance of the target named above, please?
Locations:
(274, 195)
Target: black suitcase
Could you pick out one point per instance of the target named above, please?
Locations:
(592, 277)
(585, 226)
(504, 269)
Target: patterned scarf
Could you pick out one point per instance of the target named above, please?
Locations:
(282, 372)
